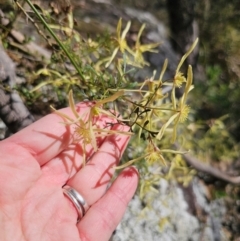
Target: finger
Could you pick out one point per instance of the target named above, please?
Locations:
(47, 137)
(104, 216)
(92, 180)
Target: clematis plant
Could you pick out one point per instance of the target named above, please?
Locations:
(152, 115)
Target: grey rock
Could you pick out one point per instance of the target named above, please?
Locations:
(167, 216)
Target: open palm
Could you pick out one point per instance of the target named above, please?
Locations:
(34, 165)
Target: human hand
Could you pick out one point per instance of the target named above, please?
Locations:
(34, 165)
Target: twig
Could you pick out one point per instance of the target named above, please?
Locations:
(200, 166)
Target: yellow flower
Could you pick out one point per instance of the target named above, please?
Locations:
(155, 156)
(82, 133)
(121, 41)
(183, 114)
(140, 49)
(179, 79)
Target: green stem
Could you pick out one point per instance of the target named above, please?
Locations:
(55, 37)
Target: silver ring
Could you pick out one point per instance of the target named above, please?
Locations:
(78, 201)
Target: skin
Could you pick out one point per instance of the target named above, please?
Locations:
(34, 165)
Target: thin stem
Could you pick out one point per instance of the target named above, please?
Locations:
(56, 38)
